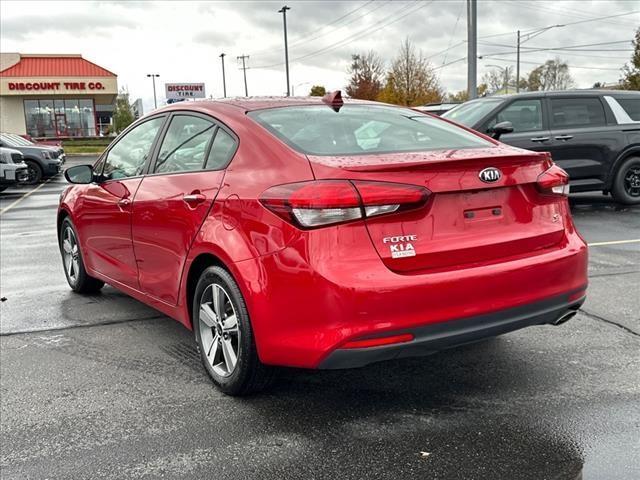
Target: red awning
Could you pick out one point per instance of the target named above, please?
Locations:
(52, 66)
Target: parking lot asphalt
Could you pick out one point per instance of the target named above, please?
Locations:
(104, 387)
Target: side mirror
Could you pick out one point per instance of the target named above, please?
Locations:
(79, 174)
(500, 129)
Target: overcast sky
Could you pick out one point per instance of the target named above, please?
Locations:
(181, 41)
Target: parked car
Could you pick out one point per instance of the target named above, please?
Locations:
(47, 142)
(42, 161)
(318, 233)
(13, 170)
(437, 108)
(592, 134)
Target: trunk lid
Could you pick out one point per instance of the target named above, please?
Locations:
(466, 221)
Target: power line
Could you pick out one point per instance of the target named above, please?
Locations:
(566, 24)
(453, 32)
(586, 17)
(571, 48)
(362, 33)
(541, 62)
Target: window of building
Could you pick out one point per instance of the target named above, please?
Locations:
(577, 112)
(60, 117)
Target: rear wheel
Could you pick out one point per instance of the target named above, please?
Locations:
(34, 172)
(224, 335)
(77, 277)
(626, 183)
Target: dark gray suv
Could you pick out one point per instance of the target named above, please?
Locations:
(42, 160)
(593, 134)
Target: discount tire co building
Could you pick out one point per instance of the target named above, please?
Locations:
(49, 96)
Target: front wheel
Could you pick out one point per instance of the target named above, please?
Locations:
(224, 335)
(77, 277)
(34, 173)
(626, 183)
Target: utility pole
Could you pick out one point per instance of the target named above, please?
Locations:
(525, 38)
(472, 49)
(224, 81)
(283, 11)
(518, 65)
(244, 71)
(153, 79)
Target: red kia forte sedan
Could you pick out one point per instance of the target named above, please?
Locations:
(318, 233)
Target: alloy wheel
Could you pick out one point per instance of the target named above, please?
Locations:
(70, 254)
(219, 330)
(632, 181)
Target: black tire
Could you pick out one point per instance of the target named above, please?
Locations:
(34, 173)
(249, 375)
(626, 183)
(78, 278)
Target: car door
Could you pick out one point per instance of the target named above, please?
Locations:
(174, 199)
(529, 124)
(583, 142)
(104, 216)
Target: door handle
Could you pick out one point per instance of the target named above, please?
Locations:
(540, 139)
(194, 198)
(124, 202)
(564, 137)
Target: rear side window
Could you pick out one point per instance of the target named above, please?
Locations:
(577, 112)
(363, 129)
(185, 144)
(525, 115)
(631, 106)
(222, 149)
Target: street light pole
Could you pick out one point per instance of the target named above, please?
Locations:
(224, 81)
(518, 66)
(283, 11)
(153, 79)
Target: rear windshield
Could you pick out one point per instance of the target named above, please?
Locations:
(363, 129)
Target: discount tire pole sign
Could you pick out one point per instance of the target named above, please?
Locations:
(176, 91)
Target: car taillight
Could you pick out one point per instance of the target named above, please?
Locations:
(554, 181)
(327, 202)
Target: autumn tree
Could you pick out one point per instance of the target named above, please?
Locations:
(317, 91)
(499, 79)
(552, 75)
(631, 72)
(463, 95)
(411, 80)
(366, 74)
(123, 114)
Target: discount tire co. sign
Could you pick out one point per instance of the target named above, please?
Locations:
(176, 91)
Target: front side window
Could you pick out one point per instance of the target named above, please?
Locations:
(128, 157)
(577, 112)
(362, 129)
(185, 144)
(524, 115)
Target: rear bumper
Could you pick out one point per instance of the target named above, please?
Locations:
(432, 338)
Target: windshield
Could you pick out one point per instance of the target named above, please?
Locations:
(20, 140)
(363, 129)
(470, 113)
(8, 140)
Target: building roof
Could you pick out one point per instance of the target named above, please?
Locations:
(55, 66)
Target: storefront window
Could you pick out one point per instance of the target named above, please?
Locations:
(60, 118)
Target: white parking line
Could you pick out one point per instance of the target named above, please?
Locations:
(6, 209)
(613, 242)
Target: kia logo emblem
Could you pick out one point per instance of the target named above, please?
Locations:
(490, 175)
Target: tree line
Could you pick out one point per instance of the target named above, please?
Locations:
(411, 80)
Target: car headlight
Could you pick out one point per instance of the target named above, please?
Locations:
(46, 155)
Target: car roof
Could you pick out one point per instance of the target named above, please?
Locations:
(556, 93)
(258, 103)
